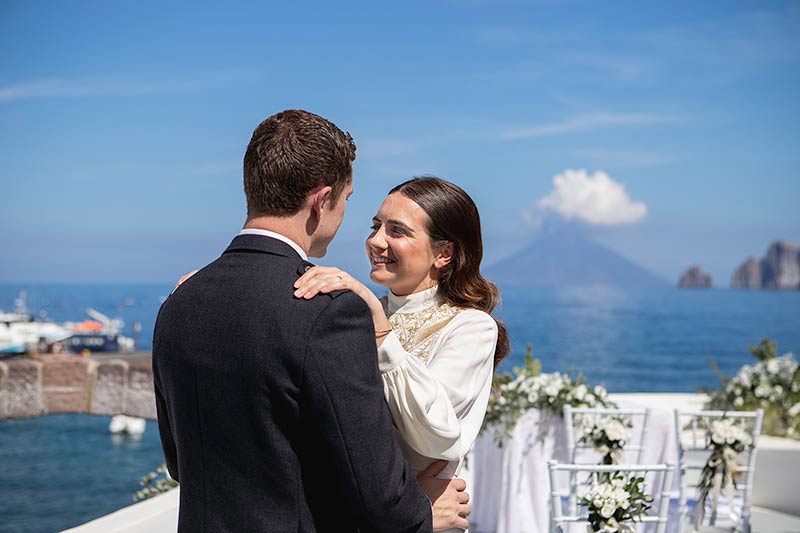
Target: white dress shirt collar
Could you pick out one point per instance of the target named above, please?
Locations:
(283, 238)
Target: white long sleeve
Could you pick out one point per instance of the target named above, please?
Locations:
(438, 404)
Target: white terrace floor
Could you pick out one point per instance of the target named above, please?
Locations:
(161, 510)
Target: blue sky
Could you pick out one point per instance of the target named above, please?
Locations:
(123, 124)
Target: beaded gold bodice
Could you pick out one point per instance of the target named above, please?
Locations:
(419, 329)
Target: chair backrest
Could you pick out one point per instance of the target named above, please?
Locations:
(660, 479)
(576, 421)
(691, 430)
(576, 418)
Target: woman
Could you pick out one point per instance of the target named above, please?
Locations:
(437, 344)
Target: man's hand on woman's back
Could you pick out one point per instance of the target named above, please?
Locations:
(449, 499)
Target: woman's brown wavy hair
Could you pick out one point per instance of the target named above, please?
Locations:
(453, 217)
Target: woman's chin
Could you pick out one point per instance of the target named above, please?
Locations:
(379, 277)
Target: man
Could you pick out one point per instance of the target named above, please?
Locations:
(270, 408)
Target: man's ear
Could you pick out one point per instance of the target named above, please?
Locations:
(445, 255)
(320, 199)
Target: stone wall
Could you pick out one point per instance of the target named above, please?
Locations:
(98, 385)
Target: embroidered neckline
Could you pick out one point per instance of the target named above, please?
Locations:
(419, 320)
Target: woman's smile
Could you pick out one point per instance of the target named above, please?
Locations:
(378, 261)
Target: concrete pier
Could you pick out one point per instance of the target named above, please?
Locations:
(100, 384)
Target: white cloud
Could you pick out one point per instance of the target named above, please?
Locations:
(596, 199)
(59, 88)
(588, 122)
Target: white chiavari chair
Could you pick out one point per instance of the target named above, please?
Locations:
(575, 422)
(691, 429)
(587, 475)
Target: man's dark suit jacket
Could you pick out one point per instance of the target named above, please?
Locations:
(271, 408)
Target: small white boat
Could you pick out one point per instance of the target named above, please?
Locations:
(127, 425)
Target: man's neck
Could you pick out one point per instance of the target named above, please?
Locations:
(291, 227)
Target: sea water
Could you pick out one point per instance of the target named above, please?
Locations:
(62, 470)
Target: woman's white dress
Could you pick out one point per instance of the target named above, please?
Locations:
(437, 366)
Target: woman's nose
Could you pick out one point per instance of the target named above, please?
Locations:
(377, 240)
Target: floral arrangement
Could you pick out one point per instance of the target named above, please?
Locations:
(727, 440)
(771, 384)
(155, 483)
(614, 501)
(528, 388)
(607, 435)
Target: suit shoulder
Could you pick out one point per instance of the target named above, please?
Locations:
(343, 307)
(345, 298)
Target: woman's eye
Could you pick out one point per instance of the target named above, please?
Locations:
(374, 227)
(398, 231)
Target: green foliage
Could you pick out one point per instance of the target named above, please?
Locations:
(765, 350)
(526, 388)
(155, 483)
(771, 384)
(530, 367)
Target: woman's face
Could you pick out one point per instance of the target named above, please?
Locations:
(399, 247)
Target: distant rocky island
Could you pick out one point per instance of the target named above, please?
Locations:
(695, 278)
(567, 258)
(779, 269)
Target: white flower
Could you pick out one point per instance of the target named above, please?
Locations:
(612, 526)
(552, 389)
(580, 392)
(794, 410)
(608, 510)
(619, 493)
(773, 366)
(725, 432)
(738, 401)
(615, 430)
(745, 376)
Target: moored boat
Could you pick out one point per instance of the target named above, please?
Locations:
(20, 333)
(102, 334)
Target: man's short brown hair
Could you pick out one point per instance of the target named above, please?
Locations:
(290, 154)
